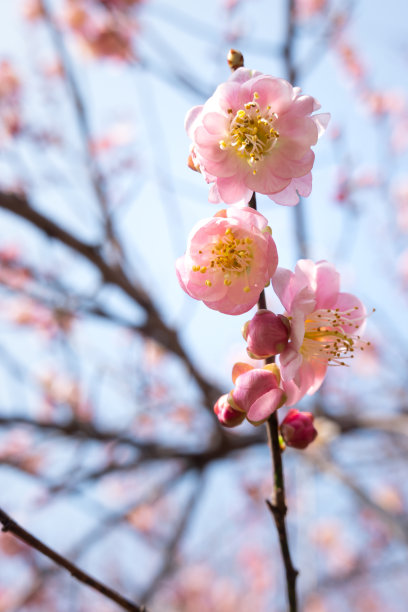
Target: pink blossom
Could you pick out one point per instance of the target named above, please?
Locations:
(266, 334)
(229, 259)
(10, 84)
(228, 416)
(255, 134)
(351, 60)
(297, 429)
(33, 9)
(325, 324)
(305, 9)
(100, 34)
(257, 392)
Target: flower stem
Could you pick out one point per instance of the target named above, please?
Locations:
(277, 503)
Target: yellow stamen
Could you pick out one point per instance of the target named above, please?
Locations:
(252, 133)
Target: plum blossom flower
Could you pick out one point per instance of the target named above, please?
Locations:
(229, 259)
(305, 9)
(100, 34)
(297, 429)
(255, 134)
(325, 325)
(257, 392)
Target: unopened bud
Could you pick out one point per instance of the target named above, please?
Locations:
(235, 59)
(228, 416)
(267, 334)
(297, 429)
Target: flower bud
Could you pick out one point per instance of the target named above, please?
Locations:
(257, 393)
(227, 416)
(235, 59)
(297, 429)
(266, 334)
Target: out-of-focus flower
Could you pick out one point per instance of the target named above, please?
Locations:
(255, 134)
(118, 135)
(101, 34)
(384, 102)
(350, 60)
(10, 85)
(33, 9)
(111, 41)
(229, 259)
(266, 334)
(10, 98)
(60, 390)
(305, 9)
(325, 324)
(256, 392)
(27, 312)
(297, 429)
(227, 416)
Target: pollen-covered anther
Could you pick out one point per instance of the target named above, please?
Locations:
(251, 132)
(327, 335)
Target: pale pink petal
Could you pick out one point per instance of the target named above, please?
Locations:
(321, 120)
(297, 329)
(215, 123)
(327, 285)
(264, 406)
(241, 75)
(290, 362)
(191, 118)
(277, 93)
(286, 168)
(282, 283)
(251, 385)
(319, 370)
(233, 188)
(265, 181)
(292, 392)
(289, 196)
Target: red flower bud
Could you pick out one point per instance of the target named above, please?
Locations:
(227, 416)
(297, 429)
(267, 334)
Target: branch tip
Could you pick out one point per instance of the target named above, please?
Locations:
(235, 59)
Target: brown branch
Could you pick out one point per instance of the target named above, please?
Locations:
(278, 509)
(278, 506)
(150, 451)
(12, 527)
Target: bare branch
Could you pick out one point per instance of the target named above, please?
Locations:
(23, 535)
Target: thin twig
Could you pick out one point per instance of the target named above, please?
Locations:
(12, 527)
(277, 505)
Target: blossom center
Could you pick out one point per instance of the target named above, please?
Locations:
(325, 336)
(229, 253)
(251, 133)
